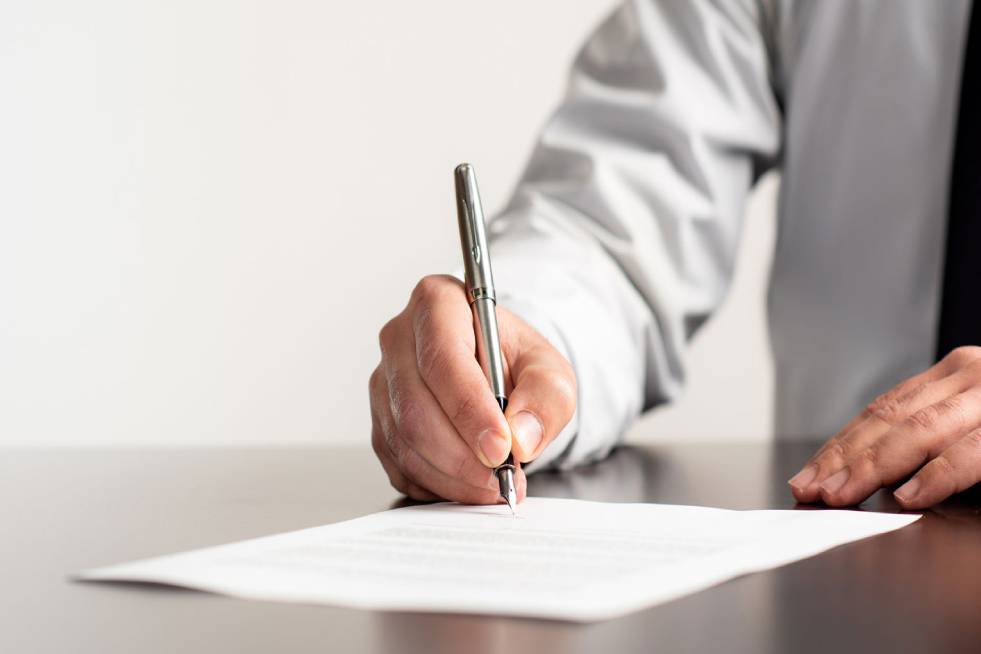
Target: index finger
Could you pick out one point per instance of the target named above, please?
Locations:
(442, 325)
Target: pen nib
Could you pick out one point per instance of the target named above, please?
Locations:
(505, 479)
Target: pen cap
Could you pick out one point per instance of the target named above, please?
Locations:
(470, 216)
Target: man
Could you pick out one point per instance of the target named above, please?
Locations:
(620, 241)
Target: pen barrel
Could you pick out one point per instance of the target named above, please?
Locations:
(479, 278)
(488, 352)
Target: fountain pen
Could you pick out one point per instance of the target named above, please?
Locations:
(479, 282)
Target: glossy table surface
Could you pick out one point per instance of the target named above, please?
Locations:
(914, 590)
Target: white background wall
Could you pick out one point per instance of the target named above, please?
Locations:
(207, 210)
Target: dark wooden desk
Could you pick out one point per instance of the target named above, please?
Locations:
(916, 590)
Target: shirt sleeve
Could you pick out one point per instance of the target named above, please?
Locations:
(621, 236)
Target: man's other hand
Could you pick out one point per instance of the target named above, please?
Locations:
(929, 425)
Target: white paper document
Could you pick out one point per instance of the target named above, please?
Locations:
(560, 559)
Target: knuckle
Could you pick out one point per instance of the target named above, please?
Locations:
(429, 289)
(964, 355)
(388, 335)
(872, 455)
(887, 407)
(839, 449)
(926, 419)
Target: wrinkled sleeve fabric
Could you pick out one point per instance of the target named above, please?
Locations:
(621, 236)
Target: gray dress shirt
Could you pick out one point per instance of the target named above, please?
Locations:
(621, 236)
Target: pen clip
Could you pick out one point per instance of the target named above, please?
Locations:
(475, 250)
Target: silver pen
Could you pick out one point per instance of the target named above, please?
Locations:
(479, 282)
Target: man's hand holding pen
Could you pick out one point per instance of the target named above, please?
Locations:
(436, 426)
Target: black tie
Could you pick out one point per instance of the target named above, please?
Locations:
(960, 309)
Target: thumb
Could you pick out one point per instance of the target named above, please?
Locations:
(543, 398)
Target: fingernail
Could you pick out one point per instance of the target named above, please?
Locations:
(527, 430)
(804, 477)
(908, 491)
(836, 481)
(493, 447)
